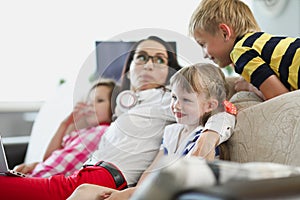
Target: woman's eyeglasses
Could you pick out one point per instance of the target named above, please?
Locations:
(142, 58)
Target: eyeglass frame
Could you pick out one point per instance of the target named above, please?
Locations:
(148, 57)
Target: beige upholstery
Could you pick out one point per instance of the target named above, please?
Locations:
(266, 131)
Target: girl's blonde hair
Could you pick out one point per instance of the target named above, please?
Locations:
(203, 78)
(235, 13)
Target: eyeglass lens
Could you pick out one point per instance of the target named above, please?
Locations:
(143, 58)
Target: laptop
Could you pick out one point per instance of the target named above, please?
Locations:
(4, 171)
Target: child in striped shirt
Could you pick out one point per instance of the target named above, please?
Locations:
(230, 35)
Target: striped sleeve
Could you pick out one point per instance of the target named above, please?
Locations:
(257, 56)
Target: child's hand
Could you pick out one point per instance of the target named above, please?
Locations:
(84, 115)
(25, 168)
(242, 85)
(78, 113)
(80, 110)
(91, 191)
(91, 116)
(118, 195)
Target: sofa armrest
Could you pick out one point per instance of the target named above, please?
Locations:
(268, 131)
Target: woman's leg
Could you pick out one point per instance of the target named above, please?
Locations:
(26, 188)
(55, 187)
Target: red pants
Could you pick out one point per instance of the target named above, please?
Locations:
(55, 187)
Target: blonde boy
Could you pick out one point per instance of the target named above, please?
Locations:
(229, 34)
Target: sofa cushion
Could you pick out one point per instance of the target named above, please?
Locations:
(245, 99)
(268, 131)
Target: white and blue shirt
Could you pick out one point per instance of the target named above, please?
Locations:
(170, 143)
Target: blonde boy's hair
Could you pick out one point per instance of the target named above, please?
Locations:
(235, 13)
(203, 78)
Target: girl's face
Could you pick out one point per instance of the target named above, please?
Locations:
(100, 100)
(188, 108)
(215, 47)
(149, 68)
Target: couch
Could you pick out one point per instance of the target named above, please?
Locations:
(266, 131)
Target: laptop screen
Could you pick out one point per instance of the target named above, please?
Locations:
(3, 161)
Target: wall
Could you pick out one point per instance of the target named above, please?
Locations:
(280, 17)
(45, 41)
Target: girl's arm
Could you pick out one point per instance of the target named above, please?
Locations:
(206, 144)
(65, 127)
(151, 167)
(75, 121)
(217, 130)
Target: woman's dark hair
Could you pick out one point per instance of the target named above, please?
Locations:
(172, 61)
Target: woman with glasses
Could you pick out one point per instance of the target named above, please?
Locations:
(165, 60)
(132, 141)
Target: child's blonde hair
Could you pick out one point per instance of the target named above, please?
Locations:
(235, 13)
(203, 78)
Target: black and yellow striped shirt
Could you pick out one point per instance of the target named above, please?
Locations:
(259, 55)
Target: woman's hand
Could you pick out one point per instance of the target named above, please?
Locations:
(25, 168)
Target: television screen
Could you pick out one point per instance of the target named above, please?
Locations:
(111, 56)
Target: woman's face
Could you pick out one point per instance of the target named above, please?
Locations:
(149, 68)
